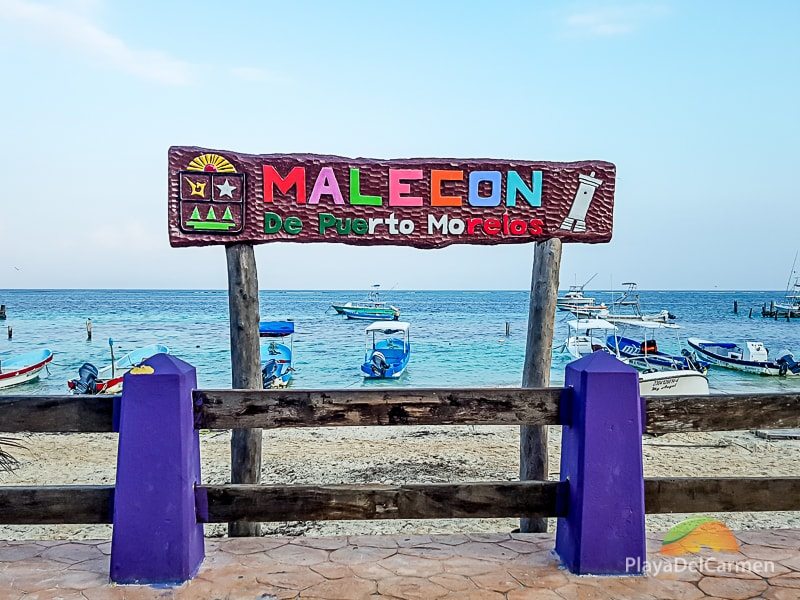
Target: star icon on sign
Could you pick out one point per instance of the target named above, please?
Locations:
(226, 189)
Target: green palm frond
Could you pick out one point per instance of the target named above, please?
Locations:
(8, 462)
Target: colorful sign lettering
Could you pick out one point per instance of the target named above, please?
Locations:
(220, 197)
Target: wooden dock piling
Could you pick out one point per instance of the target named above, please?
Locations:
(245, 368)
(533, 463)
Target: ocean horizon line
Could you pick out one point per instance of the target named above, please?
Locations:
(387, 290)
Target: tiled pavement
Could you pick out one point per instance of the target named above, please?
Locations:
(463, 567)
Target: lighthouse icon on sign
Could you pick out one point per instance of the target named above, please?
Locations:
(576, 219)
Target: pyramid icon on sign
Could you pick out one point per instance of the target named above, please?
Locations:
(227, 216)
(195, 216)
(211, 216)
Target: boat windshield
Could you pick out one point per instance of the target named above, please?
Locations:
(386, 331)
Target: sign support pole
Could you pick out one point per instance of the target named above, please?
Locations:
(533, 458)
(245, 368)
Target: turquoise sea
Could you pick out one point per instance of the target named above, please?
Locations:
(457, 337)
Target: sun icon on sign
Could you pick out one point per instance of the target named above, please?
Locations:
(211, 163)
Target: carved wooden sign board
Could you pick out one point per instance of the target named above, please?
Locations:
(221, 197)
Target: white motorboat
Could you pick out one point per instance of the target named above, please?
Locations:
(586, 336)
(574, 299)
(790, 306)
(750, 357)
(628, 309)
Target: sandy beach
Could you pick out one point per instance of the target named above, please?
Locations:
(399, 455)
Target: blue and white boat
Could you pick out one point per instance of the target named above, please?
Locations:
(22, 368)
(750, 357)
(644, 354)
(276, 368)
(387, 350)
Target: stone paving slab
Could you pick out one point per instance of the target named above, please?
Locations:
(461, 566)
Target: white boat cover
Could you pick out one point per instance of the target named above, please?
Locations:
(581, 324)
(388, 327)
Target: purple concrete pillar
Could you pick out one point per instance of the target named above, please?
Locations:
(157, 538)
(601, 461)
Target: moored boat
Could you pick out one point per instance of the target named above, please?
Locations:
(749, 356)
(587, 336)
(574, 298)
(387, 350)
(646, 354)
(108, 380)
(22, 368)
(276, 368)
(371, 309)
(628, 309)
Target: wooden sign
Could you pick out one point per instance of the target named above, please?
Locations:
(221, 197)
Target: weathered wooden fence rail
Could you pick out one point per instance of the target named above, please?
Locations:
(600, 410)
(85, 504)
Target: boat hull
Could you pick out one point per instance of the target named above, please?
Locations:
(396, 355)
(673, 383)
(370, 315)
(22, 373)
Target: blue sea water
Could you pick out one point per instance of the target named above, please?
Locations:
(457, 338)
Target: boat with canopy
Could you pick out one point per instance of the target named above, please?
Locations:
(277, 369)
(387, 350)
(591, 335)
(647, 353)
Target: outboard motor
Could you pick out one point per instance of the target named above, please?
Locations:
(269, 372)
(87, 380)
(788, 364)
(379, 364)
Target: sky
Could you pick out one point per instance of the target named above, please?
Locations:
(697, 103)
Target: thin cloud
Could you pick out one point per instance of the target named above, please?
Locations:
(76, 30)
(612, 21)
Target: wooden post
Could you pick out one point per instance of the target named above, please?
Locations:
(245, 368)
(735, 307)
(88, 330)
(538, 356)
